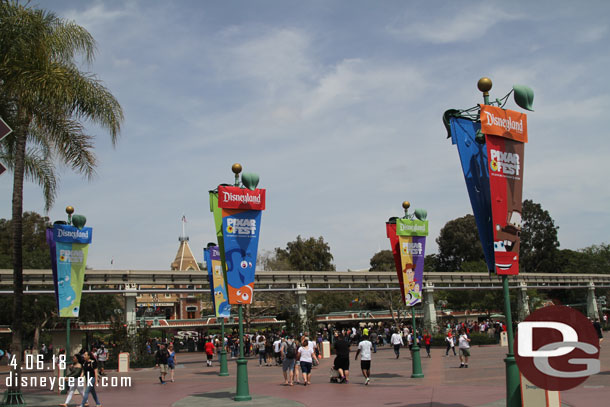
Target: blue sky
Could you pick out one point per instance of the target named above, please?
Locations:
(337, 106)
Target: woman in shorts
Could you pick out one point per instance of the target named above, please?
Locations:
(306, 356)
(171, 362)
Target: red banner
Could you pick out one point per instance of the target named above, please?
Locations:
(395, 243)
(240, 198)
(505, 157)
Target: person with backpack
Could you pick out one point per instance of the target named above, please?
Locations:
(102, 357)
(289, 355)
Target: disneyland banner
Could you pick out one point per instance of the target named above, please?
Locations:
(69, 247)
(241, 230)
(241, 198)
(216, 278)
(505, 151)
(412, 243)
(473, 157)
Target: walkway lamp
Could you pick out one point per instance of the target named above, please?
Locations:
(408, 240)
(490, 141)
(237, 213)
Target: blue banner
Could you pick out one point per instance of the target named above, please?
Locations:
(241, 230)
(474, 164)
(69, 247)
(216, 278)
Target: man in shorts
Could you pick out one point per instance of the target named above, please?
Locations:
(341, 363)
(364, 349)
(209, 349)
(288, 352)
(464, 345)
(161, 358)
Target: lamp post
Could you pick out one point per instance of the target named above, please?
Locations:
(417, 370)
(493, 171)
(513, 396)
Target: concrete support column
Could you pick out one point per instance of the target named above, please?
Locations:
(429, 309)
(523, 308)
(301, 291)
(592, 311)
(130, 308)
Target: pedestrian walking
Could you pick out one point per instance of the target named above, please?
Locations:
(161, 358)
(171, 362)
(396, 341)
(101, 356)
(427, 342)
(75, 370)
(209, 350)
(306, 357)
(449, 339)
(341, 363)
(464, 345)
(91, 378)
(364, 349)
(288, 353)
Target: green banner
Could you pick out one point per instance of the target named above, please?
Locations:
(411, 227)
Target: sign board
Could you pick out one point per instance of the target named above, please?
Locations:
(5, 130)
(325, 350)
(504, 338)
(534, 396)
(123, 362)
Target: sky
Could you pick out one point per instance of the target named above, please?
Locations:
(337, 105)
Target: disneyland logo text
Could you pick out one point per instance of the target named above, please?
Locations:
(75, 234)
(231, 197)
(507, 124)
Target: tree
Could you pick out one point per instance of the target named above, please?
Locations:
(383, 261)
(304, 255)
(458, 242)
(36, 251)
(538, 240)
(45, 98)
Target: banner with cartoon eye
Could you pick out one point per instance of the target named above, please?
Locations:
(241, 230)
(506, 188)
(69, 247)
(216, 278)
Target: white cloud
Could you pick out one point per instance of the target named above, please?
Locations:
(458, 23)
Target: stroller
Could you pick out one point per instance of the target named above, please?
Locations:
(335, 377)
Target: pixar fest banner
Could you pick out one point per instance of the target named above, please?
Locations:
(493, 172)
(237, 214)
(412, 243)
(69, 247)
(408, 241)
(216, 278)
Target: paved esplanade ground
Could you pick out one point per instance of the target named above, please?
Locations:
(444, 385)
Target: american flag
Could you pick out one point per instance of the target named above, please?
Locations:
(184, 218)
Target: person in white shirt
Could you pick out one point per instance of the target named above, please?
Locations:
(396, 341)
(464, 345)
(306, 357)
(277, 344)
(364, 349)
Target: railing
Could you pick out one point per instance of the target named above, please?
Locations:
(151, 281)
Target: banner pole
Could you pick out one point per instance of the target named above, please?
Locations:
(224, 370)
(417, 371)
(243, 392)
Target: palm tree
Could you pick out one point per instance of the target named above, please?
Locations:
(45, 98)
